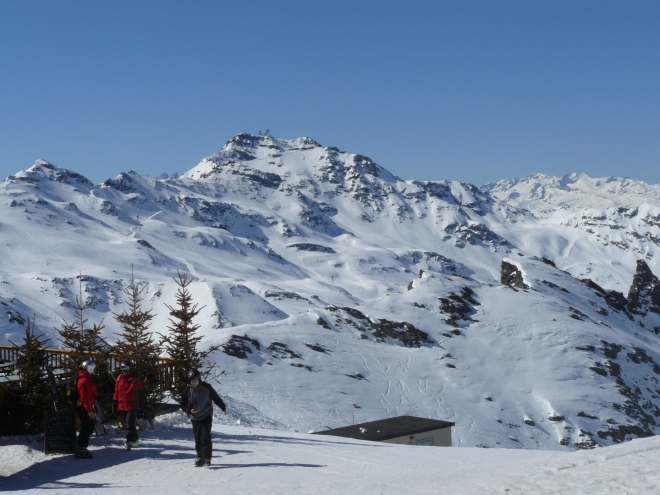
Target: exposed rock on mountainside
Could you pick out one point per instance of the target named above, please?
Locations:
(644, 293)
(306, 246)
(459, 307)
(511, 276)
(615, 300)
(240, 346)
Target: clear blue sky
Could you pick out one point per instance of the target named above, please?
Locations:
(468, 90)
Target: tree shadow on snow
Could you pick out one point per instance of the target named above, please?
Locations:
(53, 473)
(263, 464)
(218, 450)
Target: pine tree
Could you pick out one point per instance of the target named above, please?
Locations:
(137, 344)
(87, 343)
(181, 343)
(83, 343)
(33, 397)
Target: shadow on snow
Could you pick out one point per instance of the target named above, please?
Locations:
(60, 471)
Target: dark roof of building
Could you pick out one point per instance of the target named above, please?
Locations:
(386, 429)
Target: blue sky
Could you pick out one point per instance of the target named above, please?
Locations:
(467, 90)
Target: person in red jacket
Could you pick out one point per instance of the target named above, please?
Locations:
(126, 401)
(85, 407)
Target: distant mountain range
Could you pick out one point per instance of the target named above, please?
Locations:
(525, 311)
(539, 191)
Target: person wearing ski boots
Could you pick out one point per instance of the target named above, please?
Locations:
(197, 400)
(87, 395)
(126, 401)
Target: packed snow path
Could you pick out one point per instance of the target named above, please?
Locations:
(256, 461)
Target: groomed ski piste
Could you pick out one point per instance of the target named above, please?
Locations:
(258, 461)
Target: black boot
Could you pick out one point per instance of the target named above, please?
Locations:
(199, 462)
(83, 454)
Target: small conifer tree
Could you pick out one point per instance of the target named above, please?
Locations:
(33, 397)
(137, 344)
(87, 343)
(181, 343)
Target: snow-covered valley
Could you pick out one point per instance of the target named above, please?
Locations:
(526, 312)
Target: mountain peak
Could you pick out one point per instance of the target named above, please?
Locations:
(248, 143)
(268, 160)
(40, 162)
(44, 170)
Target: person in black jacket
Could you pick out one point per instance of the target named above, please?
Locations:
(197, 402)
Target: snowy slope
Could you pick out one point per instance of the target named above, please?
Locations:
(249, 461)
(339, 290)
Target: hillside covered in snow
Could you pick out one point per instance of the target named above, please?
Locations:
(527, 312)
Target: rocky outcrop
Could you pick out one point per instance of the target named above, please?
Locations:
(614, 299)
(624, 369)
(643, 296)
(644, 293)
(459, 307)
(511, 276)
(399, 330)
(240, 346)
(383, 329)
(306, 246)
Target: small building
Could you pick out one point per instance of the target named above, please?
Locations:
(408, 430)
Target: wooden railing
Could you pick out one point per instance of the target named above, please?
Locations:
(56, 359)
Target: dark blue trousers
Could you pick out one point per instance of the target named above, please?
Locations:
(203, 442)
(130, 417)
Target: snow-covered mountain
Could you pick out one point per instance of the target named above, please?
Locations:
(542, 191)
(340, 290)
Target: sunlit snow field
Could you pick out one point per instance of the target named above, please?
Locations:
(259, 461)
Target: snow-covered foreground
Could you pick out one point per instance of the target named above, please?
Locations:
(258, 461)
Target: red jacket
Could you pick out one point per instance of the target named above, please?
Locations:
(126, 392)
(86, 390)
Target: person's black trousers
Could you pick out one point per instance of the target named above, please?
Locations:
(202, 432)
(86, 427)
(130, 417)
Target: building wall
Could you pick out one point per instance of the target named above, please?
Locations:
(436, 438)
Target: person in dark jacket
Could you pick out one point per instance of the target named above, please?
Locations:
(197, 400)
(126, 400)
(85, 407)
